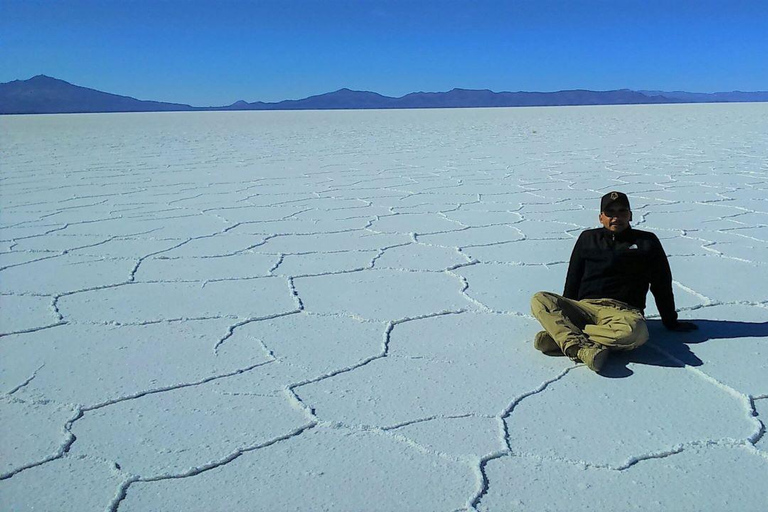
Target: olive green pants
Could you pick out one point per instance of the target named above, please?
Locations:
(607, 322)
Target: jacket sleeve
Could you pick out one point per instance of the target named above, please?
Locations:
(661, 285)
(575, 271)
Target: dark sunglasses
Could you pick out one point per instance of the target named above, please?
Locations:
(614, 212)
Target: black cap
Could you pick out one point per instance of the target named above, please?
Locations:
(614, 197)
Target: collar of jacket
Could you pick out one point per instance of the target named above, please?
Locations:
(627, 234)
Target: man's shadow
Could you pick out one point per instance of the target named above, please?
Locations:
(672, 349)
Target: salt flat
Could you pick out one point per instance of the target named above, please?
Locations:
(330, 311)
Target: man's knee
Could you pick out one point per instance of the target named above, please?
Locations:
(641, 334)
(542, 301)
(632, 333)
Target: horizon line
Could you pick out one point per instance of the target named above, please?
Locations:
(642, 91)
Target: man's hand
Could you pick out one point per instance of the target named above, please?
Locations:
(682, 326)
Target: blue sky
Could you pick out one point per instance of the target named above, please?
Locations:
(214, 53)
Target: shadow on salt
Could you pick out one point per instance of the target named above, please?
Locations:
(672, 350)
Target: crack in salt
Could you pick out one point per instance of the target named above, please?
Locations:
(27, 381)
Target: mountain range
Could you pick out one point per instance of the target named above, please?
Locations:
(46, 95)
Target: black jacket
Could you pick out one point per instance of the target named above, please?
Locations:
(621, 266)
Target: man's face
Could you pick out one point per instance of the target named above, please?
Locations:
(615, 218)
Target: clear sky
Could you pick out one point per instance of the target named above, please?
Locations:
(217, 52)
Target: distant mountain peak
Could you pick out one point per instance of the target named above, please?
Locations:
(44, 94)
(346, 90)
(45, 78)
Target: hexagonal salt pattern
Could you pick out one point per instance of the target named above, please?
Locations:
(331, 311)
(394, 476)
(682, 481)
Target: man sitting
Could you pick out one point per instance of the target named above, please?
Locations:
(601, 309)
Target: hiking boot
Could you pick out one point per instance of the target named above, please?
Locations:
(543, 342)
(594, 356)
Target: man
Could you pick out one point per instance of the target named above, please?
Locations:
(601, 309)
